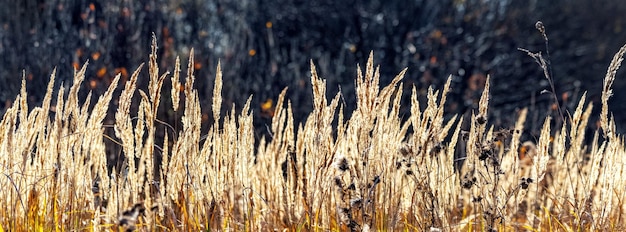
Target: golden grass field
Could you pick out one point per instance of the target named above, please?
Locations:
(373, 171)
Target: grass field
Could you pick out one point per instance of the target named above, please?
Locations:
(373, 171)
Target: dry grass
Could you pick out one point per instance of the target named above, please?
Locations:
(372, 171)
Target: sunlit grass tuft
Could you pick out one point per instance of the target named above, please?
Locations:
(374, 170)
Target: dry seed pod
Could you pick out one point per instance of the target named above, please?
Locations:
(526, 153)
(465, 135)
(540, 27)
(129, 217)
(341, 163)
(481, 119)
(406, 149)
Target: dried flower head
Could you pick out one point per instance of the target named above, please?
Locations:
(341, 163)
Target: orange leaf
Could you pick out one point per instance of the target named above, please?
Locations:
(101, 72)
(122, 71)
(436, 34)
(95, 55)
(565, 96)
(433, 60)
(267, 105)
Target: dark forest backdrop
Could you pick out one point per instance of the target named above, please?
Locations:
(265, 46)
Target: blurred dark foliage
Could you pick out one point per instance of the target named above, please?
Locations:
(265, 46)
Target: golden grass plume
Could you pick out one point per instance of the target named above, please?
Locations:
(372, 171)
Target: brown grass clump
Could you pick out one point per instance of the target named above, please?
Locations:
(371, 171)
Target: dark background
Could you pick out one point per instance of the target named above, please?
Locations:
(265, 46)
